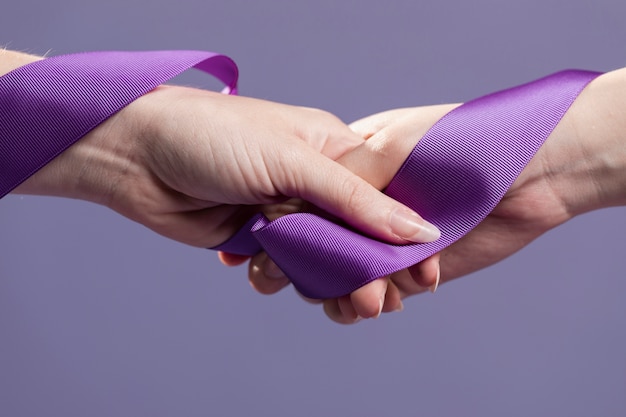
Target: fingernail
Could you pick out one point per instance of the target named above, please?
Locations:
(400, 307)
(433, 287)
(271, 270)
(408, 225)
(381, 303)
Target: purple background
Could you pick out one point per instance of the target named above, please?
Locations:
(101, 317)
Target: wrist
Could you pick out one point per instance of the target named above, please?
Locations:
(92, 167)
(585, 158)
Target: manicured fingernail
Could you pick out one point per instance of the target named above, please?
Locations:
(408, 225)
(271, 270)
(381, 303)
(433, 287)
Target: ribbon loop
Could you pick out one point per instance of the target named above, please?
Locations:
(454, 177)
(48, 105)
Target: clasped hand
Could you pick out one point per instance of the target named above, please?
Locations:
(194, 165)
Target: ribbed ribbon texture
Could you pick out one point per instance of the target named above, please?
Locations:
(454, 177)
(48, 105)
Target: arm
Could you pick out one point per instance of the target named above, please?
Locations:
(10, 60)
(192, 165)
(581, 167)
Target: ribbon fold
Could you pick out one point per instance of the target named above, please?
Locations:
(48, 105)
(454, 177)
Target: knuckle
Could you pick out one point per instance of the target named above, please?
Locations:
(356, 194)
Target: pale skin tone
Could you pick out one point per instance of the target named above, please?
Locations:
(580, 168)
(163, 162)
(193, 165)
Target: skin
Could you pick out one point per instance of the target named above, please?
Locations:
(580, 168)
(193, 165)
(166, 162)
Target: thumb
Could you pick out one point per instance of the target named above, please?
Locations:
(340, 192)
(368, 126)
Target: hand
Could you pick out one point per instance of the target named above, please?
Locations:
(193, 165)
(390, 136)
(581, 167)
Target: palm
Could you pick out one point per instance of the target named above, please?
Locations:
(503, 232)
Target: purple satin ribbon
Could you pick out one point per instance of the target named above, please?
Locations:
(455, 176)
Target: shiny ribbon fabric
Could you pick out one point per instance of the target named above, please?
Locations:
(455, 176)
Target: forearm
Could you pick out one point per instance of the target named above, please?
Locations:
(10, 60)
(77, 172)
(585, 158)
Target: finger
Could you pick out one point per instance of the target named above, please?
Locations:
(405, 283)
(368, 126)
(264, 276)
(393, 299)
(309, 300)
(379, 158)
(368, 301)
(205, 228)
(347, 308)
(427, 273)
(230, 259)
(328, 135)
(333, 311)
(391, 136)
(336, 190)
(274, 211)
(417, 278)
